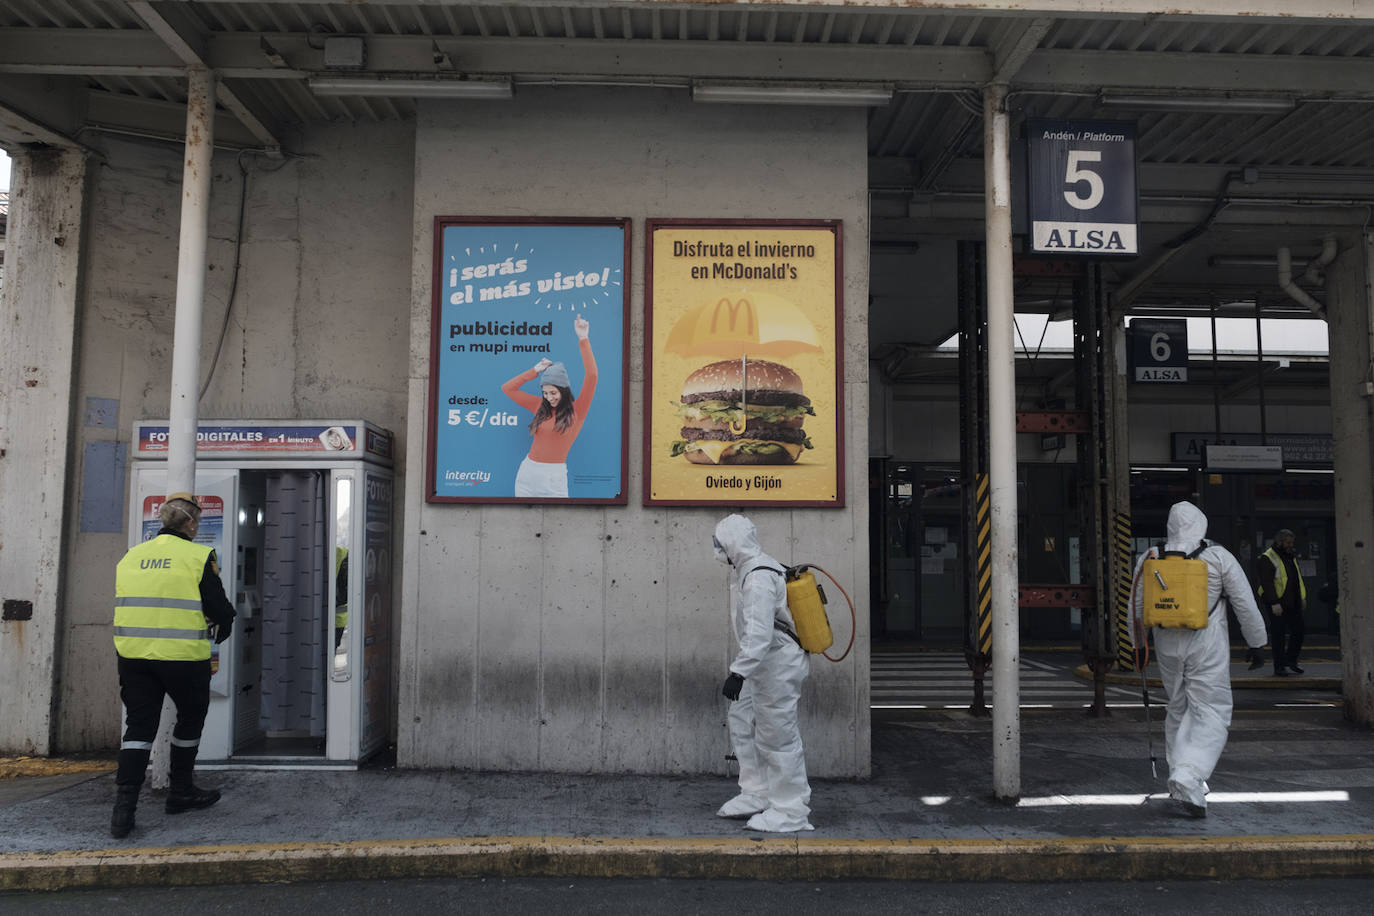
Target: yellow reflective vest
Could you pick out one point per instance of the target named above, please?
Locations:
(158, 613)
(341, 598)
(1280, 580)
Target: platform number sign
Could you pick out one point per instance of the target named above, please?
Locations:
(1159, 350)
(1081, 183)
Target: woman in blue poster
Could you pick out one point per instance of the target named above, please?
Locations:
(558, 418)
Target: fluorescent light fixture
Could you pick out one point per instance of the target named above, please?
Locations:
(1214, 104)
(784, 94)
(407, 87)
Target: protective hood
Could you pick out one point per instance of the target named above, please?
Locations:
(1187, 526)
(738, 540)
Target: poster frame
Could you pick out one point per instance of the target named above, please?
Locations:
(436, 312)
(651, 227)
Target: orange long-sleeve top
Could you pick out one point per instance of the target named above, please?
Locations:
(551, 446)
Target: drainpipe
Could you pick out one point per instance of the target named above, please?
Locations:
(1006, 648)
(1313, 274)
(1292, 289)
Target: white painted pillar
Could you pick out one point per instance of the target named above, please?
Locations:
(37, 373)
(184, 414)
(1006, 648)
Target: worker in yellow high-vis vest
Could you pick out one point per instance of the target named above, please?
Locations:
(169, 604)
(1282, 590)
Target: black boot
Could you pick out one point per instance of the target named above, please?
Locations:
(189, 798)
(185, 795)
(122, 820)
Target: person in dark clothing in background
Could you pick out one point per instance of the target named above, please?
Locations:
(169, 604)
(1282, 591)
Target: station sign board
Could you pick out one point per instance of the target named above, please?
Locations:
(1081, 187)
(1159, 349)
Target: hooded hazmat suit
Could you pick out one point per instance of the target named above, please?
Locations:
(1195, 665)
(763, 721)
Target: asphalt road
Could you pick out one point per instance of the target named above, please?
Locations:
(540, 897)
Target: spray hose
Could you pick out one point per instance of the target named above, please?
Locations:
(1142, 659)
(853, 619)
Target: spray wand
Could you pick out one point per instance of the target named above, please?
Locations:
(1142, 662)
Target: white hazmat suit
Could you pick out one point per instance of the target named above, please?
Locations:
(1195, 665)
(764, 733)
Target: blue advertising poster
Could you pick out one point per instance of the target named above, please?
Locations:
(528, 361)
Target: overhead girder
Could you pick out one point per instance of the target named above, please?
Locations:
(291, 56)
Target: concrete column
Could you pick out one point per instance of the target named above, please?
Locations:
(1006, 639)
(1350, 311)
(38, 327)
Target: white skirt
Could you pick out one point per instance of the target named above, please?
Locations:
(539, 479)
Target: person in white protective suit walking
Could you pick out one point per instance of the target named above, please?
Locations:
(1195, 665)
(763, 687)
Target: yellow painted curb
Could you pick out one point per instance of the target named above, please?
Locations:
(770, 858)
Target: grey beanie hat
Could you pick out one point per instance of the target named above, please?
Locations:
(556, 375)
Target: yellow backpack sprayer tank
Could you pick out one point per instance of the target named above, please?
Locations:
(1175, 590)
(806, 603)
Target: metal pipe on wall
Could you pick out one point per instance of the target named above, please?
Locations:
(1006, 651)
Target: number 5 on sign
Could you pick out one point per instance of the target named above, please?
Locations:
(1074, 176)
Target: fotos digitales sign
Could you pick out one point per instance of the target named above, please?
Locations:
(743, 336)
(527, 360)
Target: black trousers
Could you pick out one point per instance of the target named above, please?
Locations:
(1286, 633)
(143, 683)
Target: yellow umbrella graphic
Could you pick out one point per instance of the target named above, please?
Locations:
(756, 324)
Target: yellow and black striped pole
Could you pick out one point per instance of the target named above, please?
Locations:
(1125, 655)
(984, 516)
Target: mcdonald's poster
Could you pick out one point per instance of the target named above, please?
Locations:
(743, 341)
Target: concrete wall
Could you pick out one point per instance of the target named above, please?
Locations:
(590, 638)
(38, 336)
(318, 329)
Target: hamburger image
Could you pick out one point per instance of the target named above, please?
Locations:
(742, 411)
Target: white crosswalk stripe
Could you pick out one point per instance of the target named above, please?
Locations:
(942, 680)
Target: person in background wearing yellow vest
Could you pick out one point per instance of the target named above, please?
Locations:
(169, 603)
(340, 593)
(1282, 590)
(1195, 665)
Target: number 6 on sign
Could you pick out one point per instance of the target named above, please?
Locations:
(1073, 175)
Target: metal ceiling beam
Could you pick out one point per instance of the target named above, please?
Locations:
(1008, 59)
(242, 55)
(1250, 10)
(123, 52)
(127, 114)
(43, 110)
(1089, 71)
(188, 43)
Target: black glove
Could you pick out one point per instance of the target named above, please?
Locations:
(1256, 657)
(733, 683)
(221, 631)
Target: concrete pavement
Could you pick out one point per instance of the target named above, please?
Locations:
(1292, 797)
